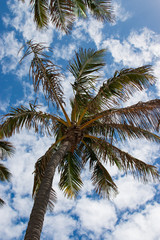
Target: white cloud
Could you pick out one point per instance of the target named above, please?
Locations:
(22, 22)
(9, 51)
(140, 225)
(88, 30)
(64, 51)
(136, 195)
(120, 13)
(138, 49)
(58, 227)
(96, 215)
(8, 227)
(4, 105)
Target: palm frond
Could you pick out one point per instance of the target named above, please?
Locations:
(104, 184)
(145, 115)
(6, 149)
(5, 174)
(44, 71)
(84, 67)
(101, 9)
(80, 8)
(124, 84)
(120, 132)
(41, 13)
(70, 169)
(125, 161)
(21, 117)
(1, 202)
(62, 14)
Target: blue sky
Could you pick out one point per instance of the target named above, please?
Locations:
(132, 41)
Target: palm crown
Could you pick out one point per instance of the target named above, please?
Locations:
(63, 13)
(96, 123)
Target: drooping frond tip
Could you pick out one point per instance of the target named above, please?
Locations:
(45, 73)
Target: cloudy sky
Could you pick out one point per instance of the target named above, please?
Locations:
(133, 40)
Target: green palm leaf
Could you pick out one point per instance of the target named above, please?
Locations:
(84, 68)
(121, 132)
(63, 13)
(21, 117)
(80, 8)
(70, 181)
(101, 9)
(102, 180)
(145, 115)
(125, 83)
(125, 161)
(41, 14)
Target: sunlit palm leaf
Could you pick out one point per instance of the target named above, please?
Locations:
(70, 181)
(124, 84)
(84, 68)
(104, 184)
(41, 14)
(62, 14)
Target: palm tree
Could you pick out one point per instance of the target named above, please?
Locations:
(97, 122)
(6, 149)
(63, 13)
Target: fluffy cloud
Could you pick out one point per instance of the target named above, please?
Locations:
(96, 215)
(120, 13)
(140, 224)
(22, 22)
(138, 49)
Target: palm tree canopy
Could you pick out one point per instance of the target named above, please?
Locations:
(97, 122)
(63, 13)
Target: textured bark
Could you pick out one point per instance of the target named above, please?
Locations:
(35, 223)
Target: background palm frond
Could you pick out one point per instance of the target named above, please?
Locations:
(41, 14)
(5, 174)
(1, 202)
(62, 14)
(21, 117)
(80, 8)
(100, 9)
(6, 149)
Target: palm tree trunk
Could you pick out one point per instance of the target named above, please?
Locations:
(35, 224)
